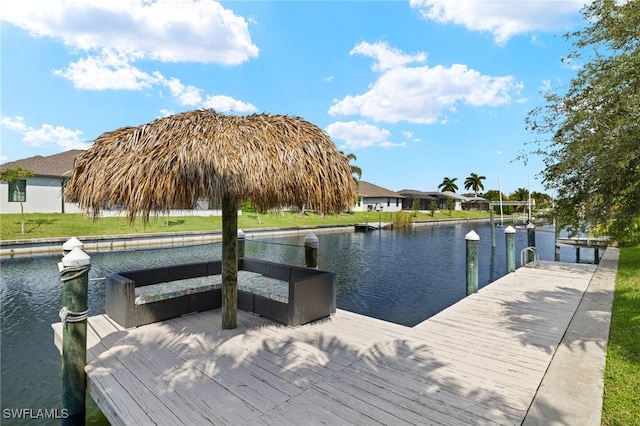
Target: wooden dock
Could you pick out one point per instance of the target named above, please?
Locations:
(588, 242)
(372, 226)
(480, 361)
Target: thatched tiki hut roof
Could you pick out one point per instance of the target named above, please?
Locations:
(272, 160)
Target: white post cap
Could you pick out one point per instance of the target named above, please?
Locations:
(472, 236)
(241, 234)
(311, 240)
(509, 230)
(76, 258)
(72, 243)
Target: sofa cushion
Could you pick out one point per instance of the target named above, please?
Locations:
(171, 289)
(270, 288)
(250, 282)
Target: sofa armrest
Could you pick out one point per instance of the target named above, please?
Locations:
(311, 298)
(120, 300)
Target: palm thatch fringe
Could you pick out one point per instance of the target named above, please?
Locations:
(272, 160)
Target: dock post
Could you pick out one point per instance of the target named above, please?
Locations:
(74, 274)
(311, 251)
(510, 235)
(556, 230)
(577, 254)
(531, 240)
(596, 255)
(241, 240)
(472, 240)
(72, 243)
(493, 227)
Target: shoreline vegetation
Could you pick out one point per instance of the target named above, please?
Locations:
(60, 225)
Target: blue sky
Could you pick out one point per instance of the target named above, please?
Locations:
(418, 89)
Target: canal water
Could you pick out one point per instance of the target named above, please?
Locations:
(402, 276)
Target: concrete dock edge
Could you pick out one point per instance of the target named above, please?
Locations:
(571, 391)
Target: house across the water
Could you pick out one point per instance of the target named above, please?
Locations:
(376, 198)
(41, 193)
(442, 201)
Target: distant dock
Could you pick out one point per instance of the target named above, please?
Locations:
(373, 226)
(481, 361)
(588, 242)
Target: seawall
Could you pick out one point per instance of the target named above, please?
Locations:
(98, 243)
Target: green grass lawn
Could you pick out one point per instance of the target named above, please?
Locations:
(621, 405)
(49, 225)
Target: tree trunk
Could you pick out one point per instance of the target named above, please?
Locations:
(229, 263)
(22, 215)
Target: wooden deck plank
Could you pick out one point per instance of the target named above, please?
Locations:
(477, 362)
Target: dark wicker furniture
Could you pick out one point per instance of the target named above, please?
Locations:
(309, 294)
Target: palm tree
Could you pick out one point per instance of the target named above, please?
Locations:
(448, 184)
(520, 194)
(474, 182)
(355, 170)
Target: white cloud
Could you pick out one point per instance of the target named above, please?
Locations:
(386, 57)
(165, 113)
(187, 95)
(227, 104)
(116, 34)
(359, 134)
(410, 136)
(502, 18)
(109, 70)
(46, 135)
(423, 94)
(14, 123)
(164, 30)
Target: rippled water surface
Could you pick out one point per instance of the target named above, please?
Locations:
(399, 276)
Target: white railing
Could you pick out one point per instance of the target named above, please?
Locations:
(524, 256)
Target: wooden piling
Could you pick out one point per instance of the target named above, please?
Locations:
(531, 241)
(510, 235)
(493, 227)
(241, 241)
(74, 274)
(311, 251)
(556, 230)
(472, 242)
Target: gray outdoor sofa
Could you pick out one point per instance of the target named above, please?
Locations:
(291, 295)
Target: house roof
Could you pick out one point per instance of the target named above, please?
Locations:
(366, 189)
(446, 194)
(56, 165)
(413, 193)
